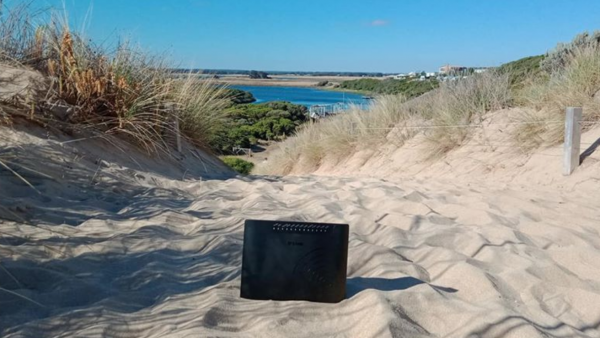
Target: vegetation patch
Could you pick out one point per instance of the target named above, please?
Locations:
(238, 96)
(572, 80)
(253, 74)
(456, 104)
(567, 76)
(522, 71)
(119, 91)
(239, 165)
(407, 87)
(442, 115)
(247, 123)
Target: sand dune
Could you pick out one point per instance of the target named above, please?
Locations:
(110, 250)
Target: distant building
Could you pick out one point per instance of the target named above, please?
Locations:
(430, 74)
(480, 70)
(448, 69)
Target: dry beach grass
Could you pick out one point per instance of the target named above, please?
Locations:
(123, 91)
(446, 117)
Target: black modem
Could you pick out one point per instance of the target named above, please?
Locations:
(285, 260)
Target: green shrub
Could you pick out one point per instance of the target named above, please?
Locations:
(522, 70)
(258, 75)
(407, 87)
(241, 166)
(563, 53)
(248, 123)
(238, 96)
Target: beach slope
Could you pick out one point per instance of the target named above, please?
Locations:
(117, 244)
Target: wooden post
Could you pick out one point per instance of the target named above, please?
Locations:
(176, 127)
(572, 140)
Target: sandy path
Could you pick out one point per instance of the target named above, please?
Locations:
(426, 259)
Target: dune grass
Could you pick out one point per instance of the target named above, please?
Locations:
(395, 119)
(545, 85)
(456, 105)
(575, 83)
(121, 90)
(339, 136)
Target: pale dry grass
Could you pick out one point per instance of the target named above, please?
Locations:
(460, 103)
(121, 90)
(339, 136)
(393, 119)
(575, 85)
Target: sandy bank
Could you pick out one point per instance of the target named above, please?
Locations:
(107, 247)
(282, 80)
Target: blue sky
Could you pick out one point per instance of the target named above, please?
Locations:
(332, 35)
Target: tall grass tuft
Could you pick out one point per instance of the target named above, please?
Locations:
(457, 104)
(124, 91)
(340, 136)
(394, 120)
(574, 82)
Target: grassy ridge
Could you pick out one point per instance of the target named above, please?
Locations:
(567, 76)
(407, 87)
(523, 70)
(245, 124)
(575, 84)
(120, 90)
(454, 103)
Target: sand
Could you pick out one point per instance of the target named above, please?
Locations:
(112, 243)
(489, 156)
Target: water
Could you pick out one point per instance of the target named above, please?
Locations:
(302, 95)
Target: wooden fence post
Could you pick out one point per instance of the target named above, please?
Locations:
(177, 135)
(572, 140)
(172, 108)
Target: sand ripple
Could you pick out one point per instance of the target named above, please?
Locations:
(425, 260)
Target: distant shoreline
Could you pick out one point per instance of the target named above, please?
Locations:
(283, 80)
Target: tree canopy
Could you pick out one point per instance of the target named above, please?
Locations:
(258, 75)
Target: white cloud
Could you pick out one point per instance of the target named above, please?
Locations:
(379, 22)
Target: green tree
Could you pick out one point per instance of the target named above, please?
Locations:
(238, 96)
(258, 75)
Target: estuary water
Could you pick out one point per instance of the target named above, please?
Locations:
(302, 95)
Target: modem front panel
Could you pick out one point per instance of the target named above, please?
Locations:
(294, 261)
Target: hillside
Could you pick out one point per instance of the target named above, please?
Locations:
(119, 241)
(408, 87)
(489, 154)
(523, 69)
(528, 97)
